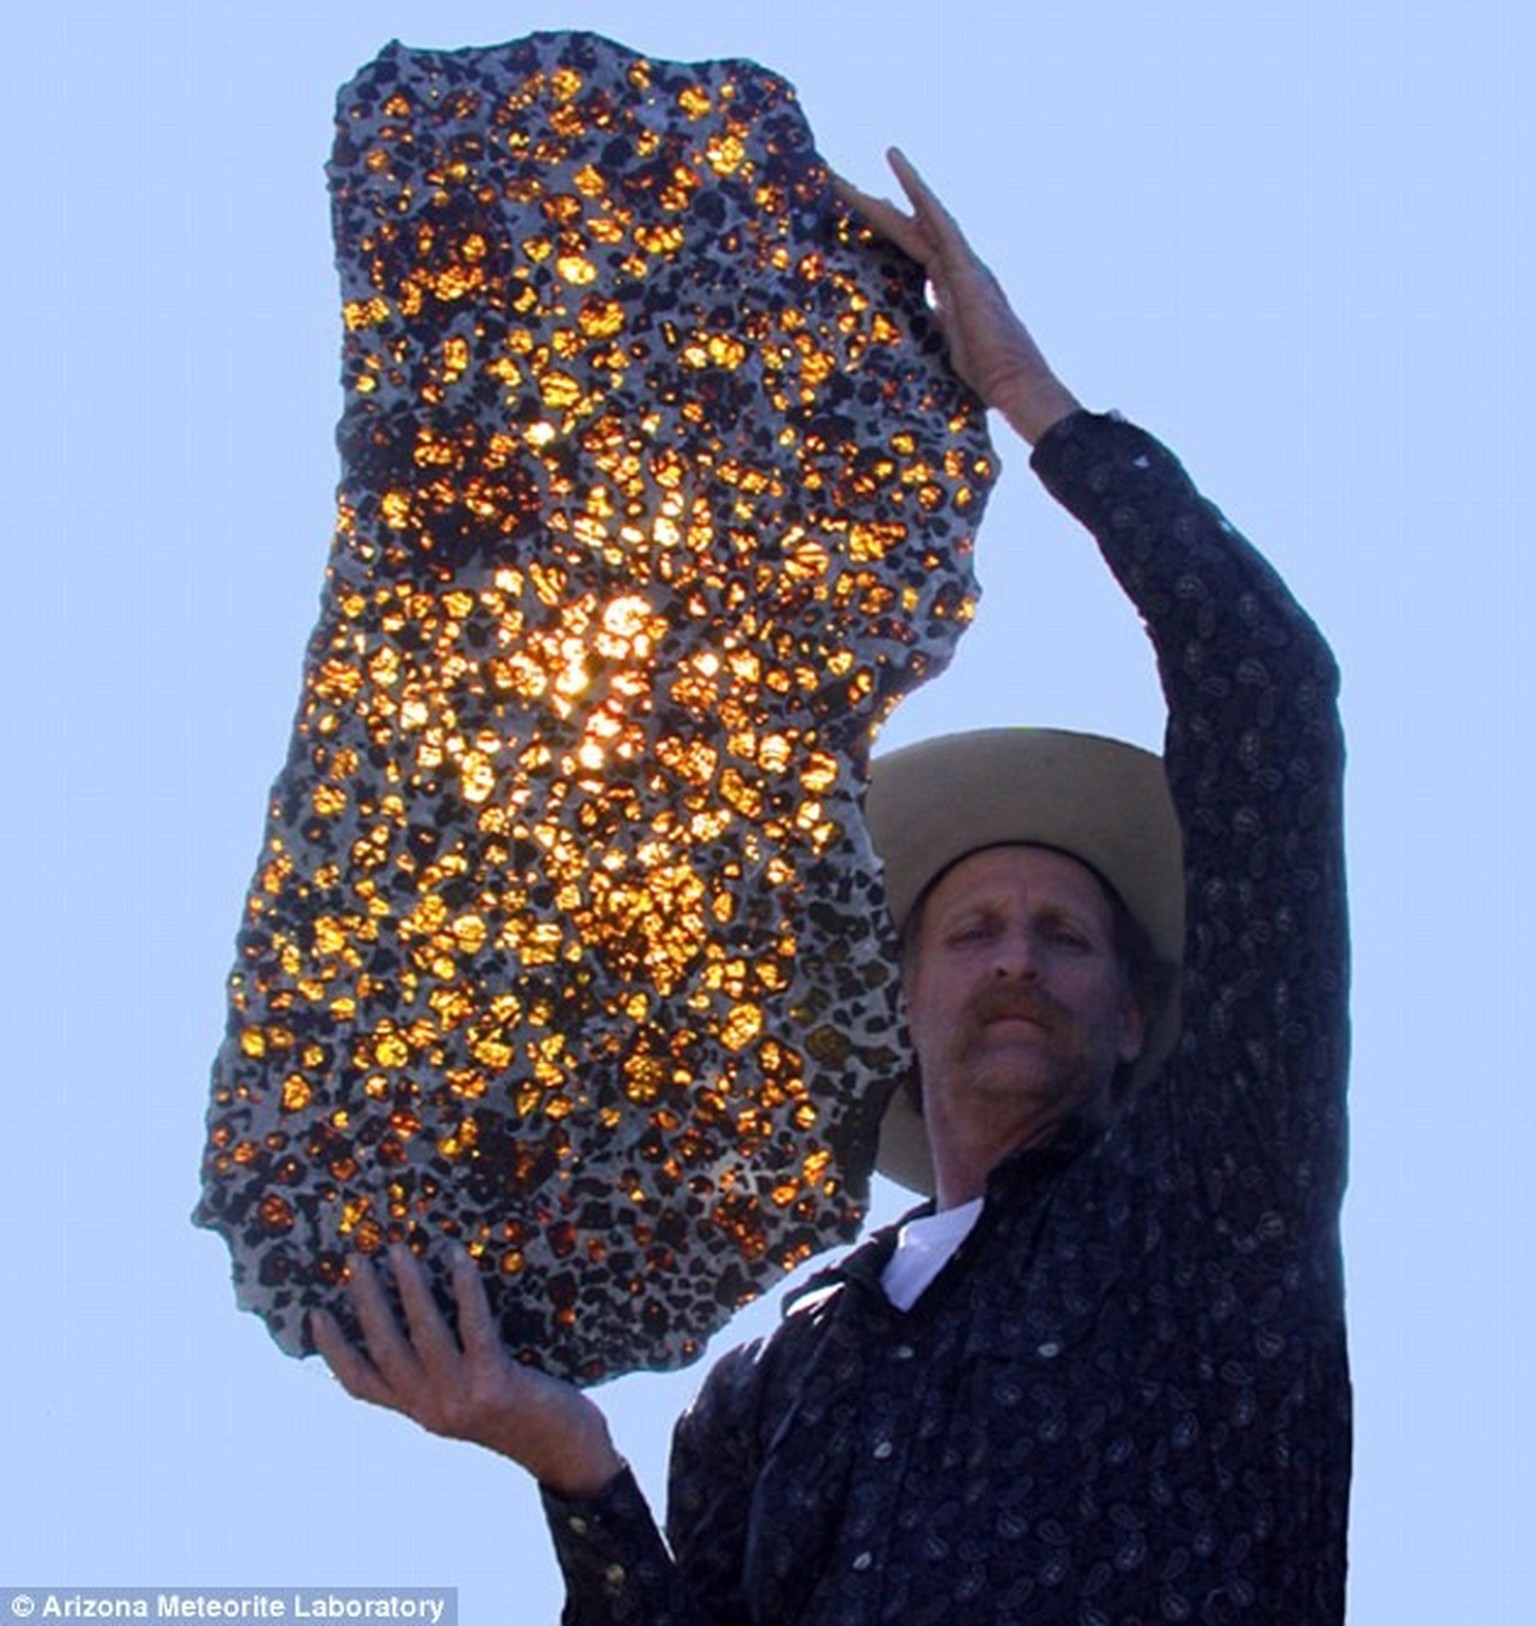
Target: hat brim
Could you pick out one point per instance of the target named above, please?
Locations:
(1101, 801)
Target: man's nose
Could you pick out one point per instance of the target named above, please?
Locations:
(1016, 954)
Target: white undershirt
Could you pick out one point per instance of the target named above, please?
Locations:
(923, 1248)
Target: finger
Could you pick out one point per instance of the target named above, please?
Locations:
(431, 1338)
(388, 1347)
(348, 1365)
(477, 1329)
(887, 221)
(942, 228)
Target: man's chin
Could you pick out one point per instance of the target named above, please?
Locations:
(1019, 1049)
(1022, 1076)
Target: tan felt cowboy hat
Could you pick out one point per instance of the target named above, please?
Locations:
(1101, 801)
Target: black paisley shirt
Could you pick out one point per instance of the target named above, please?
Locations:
(1125, 1399)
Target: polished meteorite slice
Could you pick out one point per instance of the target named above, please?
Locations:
(566, 940)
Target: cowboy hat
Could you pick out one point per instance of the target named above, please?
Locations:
(1098, 800)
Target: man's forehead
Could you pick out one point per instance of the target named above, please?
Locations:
(996, 872)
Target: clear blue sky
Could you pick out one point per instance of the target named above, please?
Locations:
(1293, 239)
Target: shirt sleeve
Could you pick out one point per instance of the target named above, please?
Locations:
(1254, 758)
(616, 1568)
(619, 1571)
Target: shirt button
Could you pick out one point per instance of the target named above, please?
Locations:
(883, 1450)
(863, 1561)
(614, 1575)
(580, 1526)
(1049, 1350)
(903, 1352)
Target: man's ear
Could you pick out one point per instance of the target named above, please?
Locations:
(1133, 1030)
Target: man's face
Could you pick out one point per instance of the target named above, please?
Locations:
(1016, 999)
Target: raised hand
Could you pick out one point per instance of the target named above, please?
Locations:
(989, 346)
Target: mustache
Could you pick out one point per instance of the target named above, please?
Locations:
(1032, 1004)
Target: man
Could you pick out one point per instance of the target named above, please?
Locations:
(1104, 1379)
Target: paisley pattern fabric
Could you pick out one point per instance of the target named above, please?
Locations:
(1125, 1399)
(566, 940)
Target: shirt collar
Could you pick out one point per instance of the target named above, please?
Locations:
(1017, 1178)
